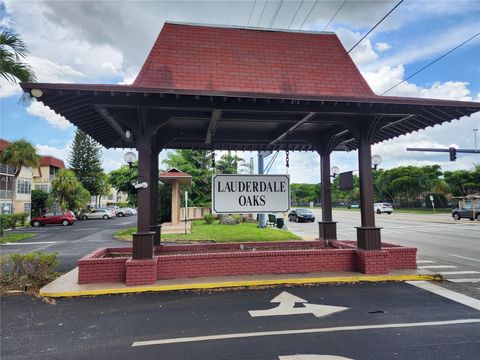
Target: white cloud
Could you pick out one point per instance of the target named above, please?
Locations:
(363, 54)
(60, 153)
(50, 71)
(8, 89)
(382, 46)
(38, 109)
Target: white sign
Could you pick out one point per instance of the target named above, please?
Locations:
(431, 197)
(287, 303)
(250, 193)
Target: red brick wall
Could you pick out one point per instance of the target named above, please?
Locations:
(141, 272)
(95, 269)
(402, 257)
(372, 261)
(250, 263)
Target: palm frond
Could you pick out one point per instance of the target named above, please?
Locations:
(10, 39)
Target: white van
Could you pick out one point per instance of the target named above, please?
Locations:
(383, 208)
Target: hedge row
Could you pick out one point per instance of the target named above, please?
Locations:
(8, 221)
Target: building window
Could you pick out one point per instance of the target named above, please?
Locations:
(27, 207)
(6, 208)
(24, 186)
(43, 187)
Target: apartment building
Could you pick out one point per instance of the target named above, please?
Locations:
(28, 179)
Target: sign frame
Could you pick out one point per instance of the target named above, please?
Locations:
(286, 176)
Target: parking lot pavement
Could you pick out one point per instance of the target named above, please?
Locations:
(71, 242)
(448, 247)
(356, 321)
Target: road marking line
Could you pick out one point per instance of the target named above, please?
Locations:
(461, 281)
(449, 294)
(437, 267)
(458, 272)
(300, 331)
(425, 261)
(464, 257)
(31, 243)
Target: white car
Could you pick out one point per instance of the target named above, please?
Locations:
(98, 214)
(133, 211)
(121, 212)
(383, 208)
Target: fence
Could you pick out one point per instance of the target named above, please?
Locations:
(194, 213)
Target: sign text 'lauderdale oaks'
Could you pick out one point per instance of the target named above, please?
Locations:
(250, 193)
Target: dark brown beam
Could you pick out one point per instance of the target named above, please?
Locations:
(212, 126)
(293, 128)
(113, 123)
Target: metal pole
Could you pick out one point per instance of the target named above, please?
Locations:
(262, 219)
(186, 209)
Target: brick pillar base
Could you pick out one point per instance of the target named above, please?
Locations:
(140, 272)
(327, 230)
(372, 261)
(369, 238)
(157, 229)
(143, 245)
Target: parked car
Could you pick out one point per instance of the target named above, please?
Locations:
(301, 215)
(133, 211)
(54, 218)
(121, 212)
(354, 206)
(466, 212)
(98, 214)
(383, 208)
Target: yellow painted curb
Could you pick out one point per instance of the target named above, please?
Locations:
(242, 283)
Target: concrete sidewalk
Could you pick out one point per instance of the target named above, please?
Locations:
(67, 286)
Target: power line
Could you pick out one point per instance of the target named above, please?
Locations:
(296, 12)
(279, 6)
(334, 15)
(378, 23)
(251, 12)
(311, 9)
(433, 62)
(261, 15)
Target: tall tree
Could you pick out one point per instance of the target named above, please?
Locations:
(12, 53)
(69, 192)
(40, 201)
(228, 164)
(463, 182)
(85, 159)
(18, 154)
(198, 164)
(122, 180)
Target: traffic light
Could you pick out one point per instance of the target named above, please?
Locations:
(453, 153)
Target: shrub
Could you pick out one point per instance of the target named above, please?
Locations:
(238, 218)
(8, 221)
(209, 218)
(37, 268)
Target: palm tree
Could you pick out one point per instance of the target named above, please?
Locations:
(12, 51)
(17, 154)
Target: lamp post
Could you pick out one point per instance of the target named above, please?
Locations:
(130, 158)
(334, 171)
(376, 160)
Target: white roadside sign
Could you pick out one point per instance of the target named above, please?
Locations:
(250, 193)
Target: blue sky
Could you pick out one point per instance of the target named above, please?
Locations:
(107, 41)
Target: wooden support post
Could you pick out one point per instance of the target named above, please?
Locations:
(327, 228)
(154, 186)
(368, 235)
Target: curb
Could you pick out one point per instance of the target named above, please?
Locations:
(245, 283)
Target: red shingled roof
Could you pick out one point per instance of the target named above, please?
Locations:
(212, 58)
(3, 144)
(51, 161)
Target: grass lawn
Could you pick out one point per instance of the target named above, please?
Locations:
(222, 233)
(14, 237)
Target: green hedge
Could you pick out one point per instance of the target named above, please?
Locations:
(21, 269)
(8, 221)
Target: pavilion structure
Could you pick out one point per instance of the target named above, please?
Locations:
(175, 178)
(232, 88)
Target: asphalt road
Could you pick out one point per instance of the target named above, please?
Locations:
(376, 321)
(449, 247)
(72, 242)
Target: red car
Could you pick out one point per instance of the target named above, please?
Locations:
(63, 218)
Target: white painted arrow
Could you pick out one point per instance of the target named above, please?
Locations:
(286, 305)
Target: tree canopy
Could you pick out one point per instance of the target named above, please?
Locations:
(13, 51)
(122, 180)
(85, 159)
(69, 192)
(20, 153)
(463, 182)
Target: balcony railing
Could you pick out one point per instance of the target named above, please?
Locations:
(7, 169)
(5, 194)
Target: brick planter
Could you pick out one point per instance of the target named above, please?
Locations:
(188, 261)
